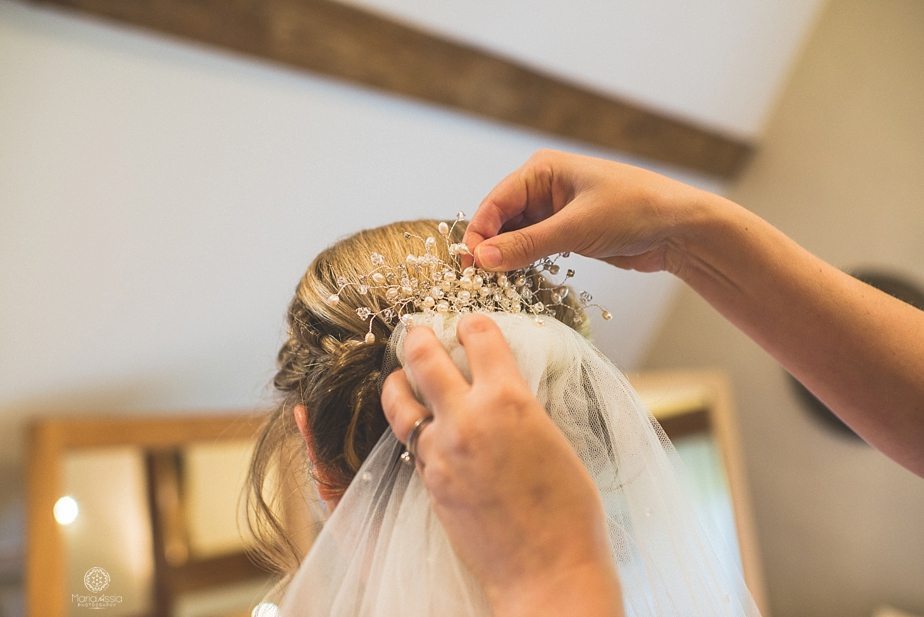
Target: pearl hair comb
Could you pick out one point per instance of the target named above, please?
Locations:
(426, 283)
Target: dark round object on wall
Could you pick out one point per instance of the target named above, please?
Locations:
(895, 285)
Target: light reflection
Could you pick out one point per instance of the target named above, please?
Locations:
(66, 510)
(265, 609)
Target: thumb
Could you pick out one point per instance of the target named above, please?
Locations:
(521, 247)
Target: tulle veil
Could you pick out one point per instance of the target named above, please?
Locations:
(383, 552)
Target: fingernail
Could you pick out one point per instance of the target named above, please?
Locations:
(489, 256)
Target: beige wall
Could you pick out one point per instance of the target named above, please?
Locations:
(841, 169)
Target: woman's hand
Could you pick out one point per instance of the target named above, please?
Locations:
(800, 309)
(558, 202)
(519, 507)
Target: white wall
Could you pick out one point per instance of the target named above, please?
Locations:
(840, 170)
(159, 201)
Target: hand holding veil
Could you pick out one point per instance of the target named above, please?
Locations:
(383, 550)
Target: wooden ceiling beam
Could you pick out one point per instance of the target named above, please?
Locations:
(363, 47)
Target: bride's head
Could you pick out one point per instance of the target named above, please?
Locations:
(329, 415)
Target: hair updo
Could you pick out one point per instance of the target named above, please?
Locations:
(323, 366)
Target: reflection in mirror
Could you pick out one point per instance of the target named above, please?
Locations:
(695, 409)
(164, 525)
(709, 489)
(104, 520)
(141, 517)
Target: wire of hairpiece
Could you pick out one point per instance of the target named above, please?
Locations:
(425, 283)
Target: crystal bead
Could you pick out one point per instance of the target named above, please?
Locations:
(554, 268)
(570, 273)
(566, 254)
(607, 315)
(363, 312)
(377, 259)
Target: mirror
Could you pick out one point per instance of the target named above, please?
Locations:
(141, 516)
(696, 410)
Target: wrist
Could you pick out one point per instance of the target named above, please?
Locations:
(703, 235)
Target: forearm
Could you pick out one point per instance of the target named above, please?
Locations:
(856, 348)
(590, 591)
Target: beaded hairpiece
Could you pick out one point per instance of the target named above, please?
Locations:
(425, 283)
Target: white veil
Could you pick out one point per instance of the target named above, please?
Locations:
(383, 552)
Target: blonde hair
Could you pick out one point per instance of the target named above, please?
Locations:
(321, 367)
